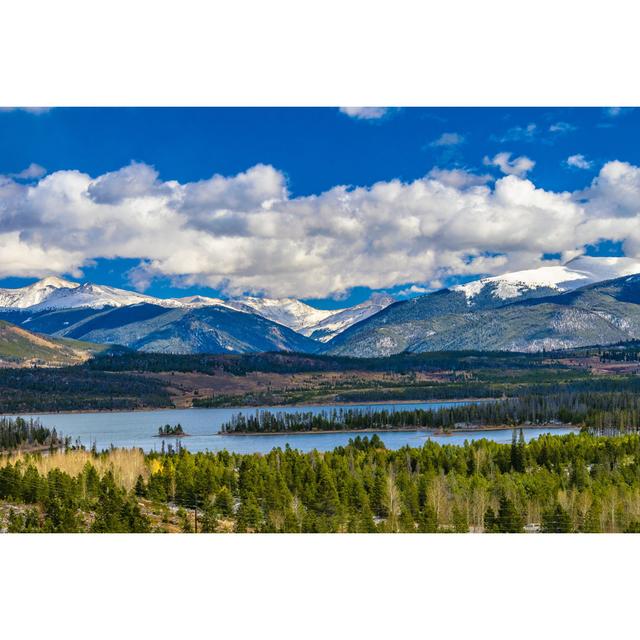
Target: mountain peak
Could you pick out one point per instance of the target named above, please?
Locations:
(578, 272)
(54, 282)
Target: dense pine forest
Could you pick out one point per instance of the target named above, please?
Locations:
(573, 483)
(28, 434)
(601, 412)
(284, 362)
(77, 388)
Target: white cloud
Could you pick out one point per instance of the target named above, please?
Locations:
(245, 233)
(561, 127)
(448, 140)
(136, 180)
(365, 113)
(413, 290)
(578, 161)
(615, 191)
(518, 134)
(519, 166)
(30, 173)
(458, 178)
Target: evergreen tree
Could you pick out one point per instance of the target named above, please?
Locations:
(556, 520)
(140, 488)
(509, 520)
(224, 502)
(428, 520)
(490, 521)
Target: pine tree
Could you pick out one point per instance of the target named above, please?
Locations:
(556, 520)
(224, 502)
(249, 515)
(490, 521)
(327, 500)
(509, 520)
(460, 520)
(428, 520)
(140, 488)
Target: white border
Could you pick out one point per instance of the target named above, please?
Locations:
(319, 586)
(318, 53)
(330, 52)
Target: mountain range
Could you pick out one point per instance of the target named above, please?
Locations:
(585, 301)
(195, 324)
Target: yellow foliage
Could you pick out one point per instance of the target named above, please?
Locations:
(125, 464)
(155, 466)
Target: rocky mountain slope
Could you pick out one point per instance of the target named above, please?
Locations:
(586, 301)
(148, 327)
(51, 294)
(19, 347)
(600, 313)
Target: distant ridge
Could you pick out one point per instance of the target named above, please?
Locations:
(504, 313)
(54, 293)
(520, 311)
(19, 347)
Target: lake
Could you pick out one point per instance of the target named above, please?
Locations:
(138, 428)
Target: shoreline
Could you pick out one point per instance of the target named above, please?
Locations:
(249, 406)
(434, 432)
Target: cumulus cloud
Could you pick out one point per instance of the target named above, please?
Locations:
(519, 166)
(413, 290)
(459, 178)
(134, 181)
(365, 113)
(578, 161)
(245, 233)
(30, 173)
(448, 140)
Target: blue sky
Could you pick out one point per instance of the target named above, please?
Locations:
(314, 149)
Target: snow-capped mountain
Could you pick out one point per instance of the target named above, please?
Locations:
(340, 320)
(575, 273)
(289, 312)
(586, 301)
(35, 293)
(96, 296)
(54, 293)
(319, 324)
(200, 301)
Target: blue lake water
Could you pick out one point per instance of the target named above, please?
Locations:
(138, 428)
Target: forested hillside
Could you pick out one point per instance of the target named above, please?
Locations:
(574, 483)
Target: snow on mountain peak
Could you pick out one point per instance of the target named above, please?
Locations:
(200, 301)
(289, 312)
(55, 293)
(92, 296)
(576, 273)
(341, 319)
(53, 282)
(33, 294)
